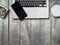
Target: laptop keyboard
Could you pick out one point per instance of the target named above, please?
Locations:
(33, 3)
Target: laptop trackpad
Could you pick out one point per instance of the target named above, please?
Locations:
(36, 12)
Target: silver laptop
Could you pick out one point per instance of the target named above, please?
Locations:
(35, 8)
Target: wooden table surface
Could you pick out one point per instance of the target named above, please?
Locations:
(31, 31)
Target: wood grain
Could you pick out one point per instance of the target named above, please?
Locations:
(35, 32)
(30, 32)
(0, 31)
(45, 32)
(25, 36)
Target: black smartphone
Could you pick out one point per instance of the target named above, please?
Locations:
(19, 10)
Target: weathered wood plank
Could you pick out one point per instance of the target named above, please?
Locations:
(53, 31)
(14, 32)
(57, 27)
(0, 31)
(5, 25)
(54, 26)
(35, 32)
(57, 32)
(25, 32)
(45, 32)
(14, 28)
(5, 31)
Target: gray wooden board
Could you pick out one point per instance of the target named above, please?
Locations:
(5, 31)
(35, 32)
(57, 35)
(0, 31)
(30, 32)
(45, 32)
(25, 35)
(13, 31)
